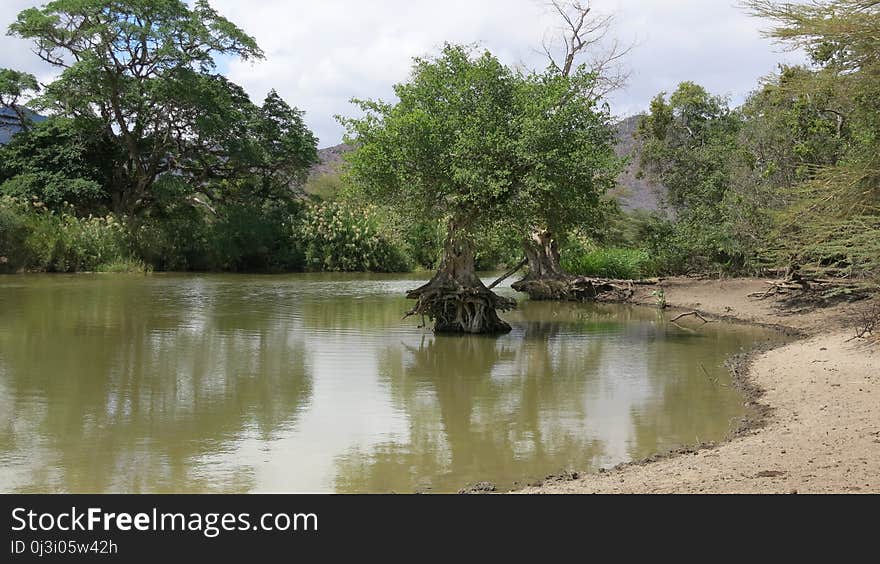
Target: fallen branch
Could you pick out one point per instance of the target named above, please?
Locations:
(801, 285)
(509, 273)
(693, 313)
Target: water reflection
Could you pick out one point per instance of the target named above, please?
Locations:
(136, 386)
(313, 383)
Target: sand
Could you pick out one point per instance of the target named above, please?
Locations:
(821, 428)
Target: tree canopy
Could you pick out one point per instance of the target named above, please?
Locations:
(476, 142)
(145, 70)
(14, 85)
(447, 147)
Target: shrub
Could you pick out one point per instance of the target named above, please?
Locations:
(255, 238)
(336, 237)
(13, 235)
(34, 238)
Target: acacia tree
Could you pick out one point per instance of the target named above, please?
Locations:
(833, 224)
(144, 69)
(446, 150)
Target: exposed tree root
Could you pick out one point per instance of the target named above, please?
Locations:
(579, 288)
(456, 300)
(459, 309)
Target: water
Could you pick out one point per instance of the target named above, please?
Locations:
(313, 383)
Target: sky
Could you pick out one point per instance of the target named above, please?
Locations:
(322, 53)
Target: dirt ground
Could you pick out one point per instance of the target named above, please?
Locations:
(821, 432)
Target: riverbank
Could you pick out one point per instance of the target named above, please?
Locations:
(819, 397)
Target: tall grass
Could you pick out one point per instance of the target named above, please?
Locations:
(36, 239)
(624, 264)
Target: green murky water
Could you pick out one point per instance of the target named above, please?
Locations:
(312, 383)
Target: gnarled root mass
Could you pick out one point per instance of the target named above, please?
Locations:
(457, 308)
(578, 289)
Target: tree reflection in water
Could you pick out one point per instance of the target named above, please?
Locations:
(502, 409)
(120, 387)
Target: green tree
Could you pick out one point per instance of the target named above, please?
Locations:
(446, 150)
(13, 86)
(143, 68)
(572, 136)
(566, 164)
(691, 147)
(490, 151)
(832, 221)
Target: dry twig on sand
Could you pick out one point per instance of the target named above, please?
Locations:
(868, 322)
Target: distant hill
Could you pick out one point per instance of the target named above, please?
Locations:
(330, 159)
(7, 130)
(633, 193)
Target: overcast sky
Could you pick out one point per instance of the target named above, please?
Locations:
(321, 53)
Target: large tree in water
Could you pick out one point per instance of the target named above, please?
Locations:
(446, 150)
(566, 148)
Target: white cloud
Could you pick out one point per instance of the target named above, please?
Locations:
(321, 54)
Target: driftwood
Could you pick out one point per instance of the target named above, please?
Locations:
(691, 313)
(796, 284)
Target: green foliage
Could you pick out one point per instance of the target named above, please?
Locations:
(145, 71)
(143, 127)
(623, 264)
(791, 180)
(249, 238)
(336, 237)
(564, 153)
(691, 145)
(14, 230)
(35, 238)
(497, 248)
(327, 186)
(446, 148)
(423, 239)
(287, 147)
(827, 218)
(688, 143)
(13, 86)
(59, 161)
(125, 266)
(492, 152)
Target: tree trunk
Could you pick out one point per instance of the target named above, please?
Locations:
(542, 250)
(546, 280)
(456, 299)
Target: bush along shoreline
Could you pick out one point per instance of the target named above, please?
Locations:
(308, 236)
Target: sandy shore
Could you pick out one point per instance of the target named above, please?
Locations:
(821, 432)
